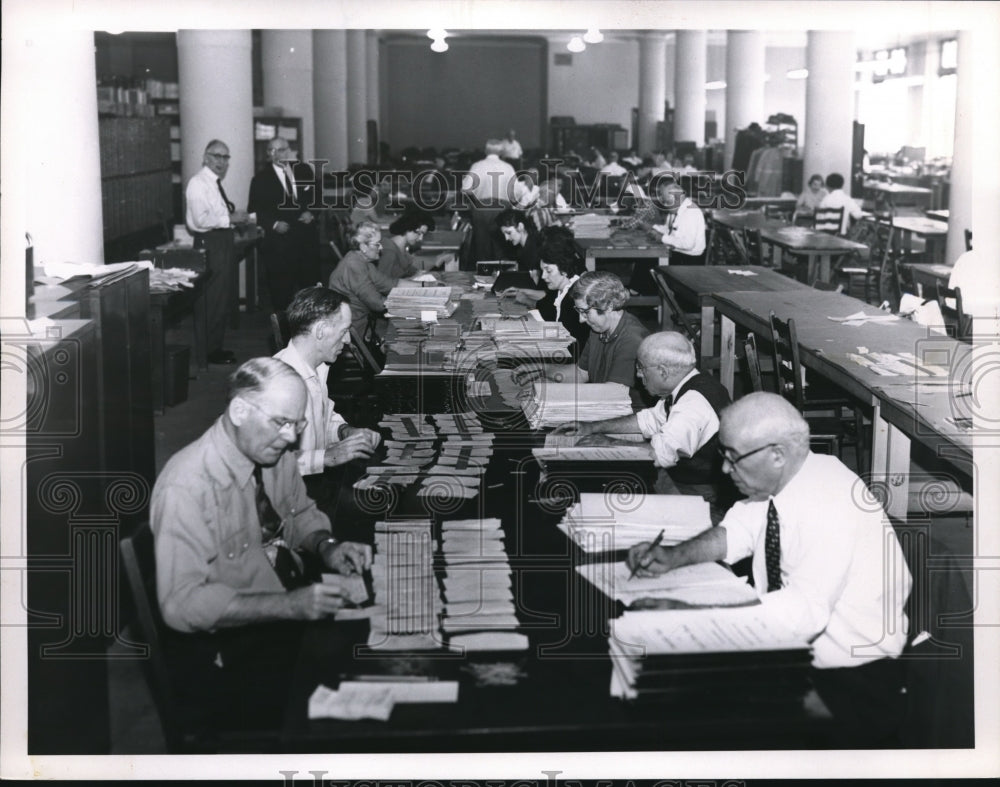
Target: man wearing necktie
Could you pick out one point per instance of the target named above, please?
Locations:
(682, 427)
(684, 227)
(290, 247)
(210, 215)
(239, 544)
(826, 562)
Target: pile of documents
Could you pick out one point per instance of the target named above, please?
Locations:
(702, 583)
(407, 605)
(420, 302)
(372, 698)
(171, 279)
(563, 448)
(735, 655)
(479, 603)
(591, 225)
(607, 523)
(556, 403)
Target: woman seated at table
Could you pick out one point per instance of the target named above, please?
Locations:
(808, 201)
(357, 276)
(519, 231)
(406, 233)
(609, 356)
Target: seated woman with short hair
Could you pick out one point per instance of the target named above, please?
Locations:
(519, 231)
(357, 276)
(406, 233)
(609, 356)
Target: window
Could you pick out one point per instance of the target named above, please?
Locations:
(949, 57)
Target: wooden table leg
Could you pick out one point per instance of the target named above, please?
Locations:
(727, 353)
(158, 351)
(824, 268)
(707, 331)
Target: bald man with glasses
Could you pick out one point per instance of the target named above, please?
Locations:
(280, 195)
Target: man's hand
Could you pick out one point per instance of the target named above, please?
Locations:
(346, 557)
(354, 446)
(307, 217)
(239, 217)
(656, 562)
(281, 227)
(577, 428)
(596, 439)
(374, 438)
(315, 601)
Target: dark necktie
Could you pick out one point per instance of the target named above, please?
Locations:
(772, 549)
(229, 205)
(668, 402)
(670, 222)
(284, 561)
(288, 184)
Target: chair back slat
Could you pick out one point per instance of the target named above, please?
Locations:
(828, 220)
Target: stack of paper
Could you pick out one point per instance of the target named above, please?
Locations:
(738, 654)
(479, 609)
(408, 426)
(556, 403)
(564, 448)
(405, 615)
(702, 583)
(415, 302)
(606, 523)
(592, 225)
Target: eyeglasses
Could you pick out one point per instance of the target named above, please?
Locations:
(280, 423)
(376, 243)
(585, 311)
(725, 452)
(641, 368)
(225, 156)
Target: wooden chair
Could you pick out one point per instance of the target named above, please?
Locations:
(367, 349)
(778, 212)
(828, 220)
(950, 302)
(679, 320)
(279, 330)
(826, 431)
(752, 360)
(752, 246)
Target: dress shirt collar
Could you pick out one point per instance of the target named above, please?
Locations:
(233, 466)
(688, 376)
(799, 490)
(293, 358)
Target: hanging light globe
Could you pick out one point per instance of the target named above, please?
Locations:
(576, 44)
(593, 36)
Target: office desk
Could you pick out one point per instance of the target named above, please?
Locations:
(623, 244)
(933, 232)
(904, 408)
(693, 285)
(938, 215)
(897, 193)
(442, 240)
(927, 276)
(817, 247)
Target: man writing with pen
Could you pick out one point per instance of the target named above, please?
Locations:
(239, 546)
(826, 562)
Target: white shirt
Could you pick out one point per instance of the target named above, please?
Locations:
(692, 423)
(844, 578)
(614, 169)
(281, 172)
(206, 210)
(528, 196)
(685, 230)
(562, 294)
(323, 422)
(979, 280)
(492, 179)
(512, 149)
(838, 199)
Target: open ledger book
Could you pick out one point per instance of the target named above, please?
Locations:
(564, 448)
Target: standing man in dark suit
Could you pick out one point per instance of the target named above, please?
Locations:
(290, 248)
(210, 216)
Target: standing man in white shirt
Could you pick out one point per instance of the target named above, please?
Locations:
(491, 185)
(512, 152)
(837, 198)
(684, 228)
(210, 216)
(319, 322)
(826, 562)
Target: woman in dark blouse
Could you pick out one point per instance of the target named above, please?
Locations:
(519, 231)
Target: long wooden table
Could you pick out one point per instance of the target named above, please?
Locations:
(928, 275)
(693, 285)
(897, 193)
(623, 244)
(933, 232)
(904, 408)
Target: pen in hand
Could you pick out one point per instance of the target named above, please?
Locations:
(656, 542)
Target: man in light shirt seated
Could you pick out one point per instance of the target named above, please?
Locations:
(684, 228)
(613, 168)
(682, 427)
(826, 562)
(836, 198)
(979, 280)
(512, 151)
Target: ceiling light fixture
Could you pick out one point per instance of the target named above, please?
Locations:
(717, 85)
(798, 73)
(437, 33)
(576, 44)
(439, 45)
(593, 36)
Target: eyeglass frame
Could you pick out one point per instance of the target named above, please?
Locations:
(224, 156)
(585, 312)
(722, 449)
(280, 423)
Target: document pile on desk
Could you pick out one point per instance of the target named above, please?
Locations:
(702, 583)
(407, 605)
(736, 655)
(897, 364)
(374, 696)
(556, 403)
(607, 523)
(591, 225)
(564, 448)
(420, 302)
(479, 603)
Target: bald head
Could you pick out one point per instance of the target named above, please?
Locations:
(765, 417)
(668, 348)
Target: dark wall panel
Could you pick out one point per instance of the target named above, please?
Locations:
(478, 89)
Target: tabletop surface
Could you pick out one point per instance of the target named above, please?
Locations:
(705, 280)
(804, 239)
(920, 225)
(895, 188)
(939, 215)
